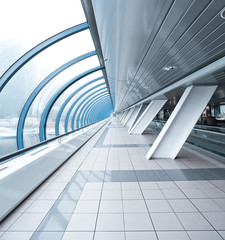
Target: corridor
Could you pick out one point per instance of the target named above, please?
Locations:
(109, 190)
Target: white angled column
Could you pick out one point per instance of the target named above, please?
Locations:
(128, 116)
(181, 122)
(147, 116)
(121, 116)
(124, 116)
(133, 116)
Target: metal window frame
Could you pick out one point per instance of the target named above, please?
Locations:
(92, 110)
(36, 91)
(84, 116)
(72, 107)
(88, 98)
(86, 107)
(69, 98)
(46, 112)
(16, 66)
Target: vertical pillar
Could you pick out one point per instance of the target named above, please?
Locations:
(128, 116)
(134, 116)
(181, 122)
(147, 116)
(124, 116)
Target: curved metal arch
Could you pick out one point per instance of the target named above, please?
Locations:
(83, 118)
(81, 105)
(33, 95)
(7, 75)
(94, 110)
(97, 119)
(72, 107)
(86, 107)
(93, 119)
(50, 104)
(68, 99)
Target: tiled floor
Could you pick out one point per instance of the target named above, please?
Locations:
(109, 190)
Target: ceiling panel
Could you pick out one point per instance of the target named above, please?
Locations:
(139, 38)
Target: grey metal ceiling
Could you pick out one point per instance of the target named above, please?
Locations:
(140, 37)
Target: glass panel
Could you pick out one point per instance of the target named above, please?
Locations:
(26, 79)
(85, 104)
(26, 23)
(66, 109)
(39, 104)
(52, 116)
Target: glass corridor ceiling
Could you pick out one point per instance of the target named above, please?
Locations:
(51, 78)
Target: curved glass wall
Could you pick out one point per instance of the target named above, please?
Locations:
(75, 107)
(43, 59)
(27, 23)
(51, 122)
(89, 86)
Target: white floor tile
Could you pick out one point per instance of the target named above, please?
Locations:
(111, 195)
(82, 222)
(158, 206)
(153, 194)
(40, 206)
(134, 206)
(182, 205)
(149, 185)
(93, 186)
(206, 235)
(165, 221)
(140, 236)
(137, 222)
(27, 222)
(220, 203)
(89, 206)
(206, 205)
(108, 206)
(131, 194)
(173, 235)
(16, 235)
(110, 222)
(173, 194)
(194, 193)
(130, 185)
(167, 185)
(217, 219)
(194, 221)
(109, 236)
(78, 235)
(90, 195)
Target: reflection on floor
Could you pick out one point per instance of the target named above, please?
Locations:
(109, 190)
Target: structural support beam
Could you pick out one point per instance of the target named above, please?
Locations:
(147, 116)
(128, 116)
(133, 116)
(123, 115)
(181, 122)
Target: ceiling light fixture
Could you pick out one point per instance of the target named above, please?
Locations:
(168, 68)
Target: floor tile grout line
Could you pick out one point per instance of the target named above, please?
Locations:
(54, 174)
(69, 181)
(144, 200)
(101, 194)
